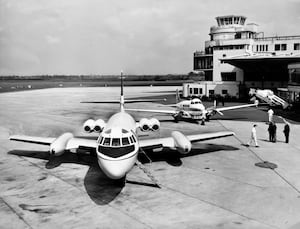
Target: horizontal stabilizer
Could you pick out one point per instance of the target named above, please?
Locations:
(126, 101)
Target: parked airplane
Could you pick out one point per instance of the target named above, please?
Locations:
(269, 97)
(117, 145)
(193, 110)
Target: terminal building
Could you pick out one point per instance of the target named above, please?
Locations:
(239, 57)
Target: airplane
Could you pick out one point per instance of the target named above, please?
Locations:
(269, 97)
(117, 145)
(193, 110)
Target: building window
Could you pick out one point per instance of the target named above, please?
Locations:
(191, 90)
(277, 47)
(224, 92)
(238, 36)
(196, 91)
(228, 76)
(266, 48)
(297, 46)
(283, 47)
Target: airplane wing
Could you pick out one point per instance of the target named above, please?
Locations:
(170, 142)
(171, 112)
(219, 110)
(235, 107)
(64, 142)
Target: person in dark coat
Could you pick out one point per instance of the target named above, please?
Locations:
(286, 132)
(274, 132)
(270, 130)
(286, 129)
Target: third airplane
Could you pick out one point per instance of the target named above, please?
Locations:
(193, 110)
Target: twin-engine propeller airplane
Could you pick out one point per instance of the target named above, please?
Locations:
(193, 110)
(117, 145)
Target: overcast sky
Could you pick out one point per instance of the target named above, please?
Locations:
(136, 36)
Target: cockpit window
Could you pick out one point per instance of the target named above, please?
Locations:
(116, 142)
(106, 141)
(132, 139)
(125, 141)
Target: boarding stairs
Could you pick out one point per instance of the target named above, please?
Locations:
(147, 171)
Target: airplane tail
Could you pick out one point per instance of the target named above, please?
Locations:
(122, 100)
(177, 96)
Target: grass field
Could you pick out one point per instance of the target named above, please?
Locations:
(22, 85)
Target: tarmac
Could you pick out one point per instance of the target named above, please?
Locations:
(217, 185)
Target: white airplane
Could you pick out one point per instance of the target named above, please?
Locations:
(269, 97)
(117, 145)
(194, 110)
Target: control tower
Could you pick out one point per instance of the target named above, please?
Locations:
(238, 56)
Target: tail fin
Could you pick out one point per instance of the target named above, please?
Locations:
(122, 99)
(177, 96)
(122, 93)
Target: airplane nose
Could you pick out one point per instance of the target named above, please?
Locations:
(116, 169)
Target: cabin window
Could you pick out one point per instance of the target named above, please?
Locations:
(283, 47)
(116, 142)
(297, 46)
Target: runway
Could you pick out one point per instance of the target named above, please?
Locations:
(217, 185)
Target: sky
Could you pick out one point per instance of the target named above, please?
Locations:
(137, 36)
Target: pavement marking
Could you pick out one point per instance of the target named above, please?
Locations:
(15, 212)
(106, 204)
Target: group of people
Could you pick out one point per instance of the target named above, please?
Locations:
(271, 129)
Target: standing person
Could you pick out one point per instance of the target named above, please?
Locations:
(223, 100)
(270, 115)
(270, 130)
(274, 132)
(286, 130)
(253, 136)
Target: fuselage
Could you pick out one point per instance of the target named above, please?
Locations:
(118, 147)
(193, 109)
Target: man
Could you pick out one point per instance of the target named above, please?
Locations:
(286, 130)
(270, 114)
(274, 132)
(271, 130)
(253, 136)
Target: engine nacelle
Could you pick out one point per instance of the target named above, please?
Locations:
(89, 125)
(58, 147)
(144, 124)
(182, 144)
(154, 124)
(99, 125)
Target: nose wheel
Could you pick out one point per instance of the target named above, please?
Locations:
(120, 182)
